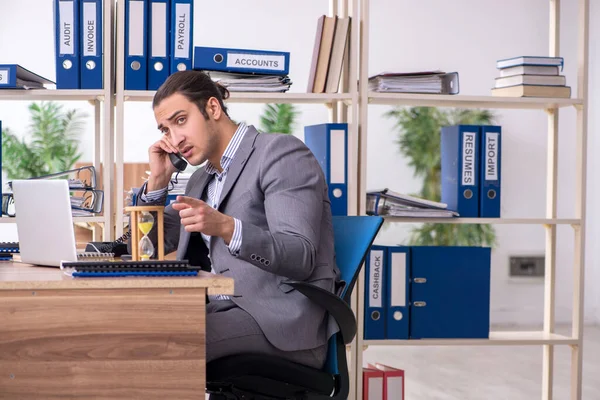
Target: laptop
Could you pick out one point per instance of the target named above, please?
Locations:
(44, 221)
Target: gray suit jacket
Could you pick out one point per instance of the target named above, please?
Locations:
(277, 189)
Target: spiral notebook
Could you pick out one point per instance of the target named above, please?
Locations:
(104, 268)
(9, 247)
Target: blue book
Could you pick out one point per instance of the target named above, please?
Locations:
(460, 169)
(159, 39)
(375, 293)
(244, 61)
(490, 176)
(182, 35)
(329, 144)
(397, 296)
(450, 292)
(136, 54)
(530, 60)
(67, 44)
(91, 44)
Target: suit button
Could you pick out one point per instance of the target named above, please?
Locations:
(253, 256)
(267, 262)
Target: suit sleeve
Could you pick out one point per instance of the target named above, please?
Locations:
(293, 185)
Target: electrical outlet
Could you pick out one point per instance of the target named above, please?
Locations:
(527, 266)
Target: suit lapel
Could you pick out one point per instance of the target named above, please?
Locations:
(239, 161)
(195, 192)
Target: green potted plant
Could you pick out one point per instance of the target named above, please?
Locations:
(278, 118)
(51, 144)
(418, 131)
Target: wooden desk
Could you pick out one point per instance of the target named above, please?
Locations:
(113, 338)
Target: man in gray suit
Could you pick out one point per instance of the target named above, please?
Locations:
(257, 212)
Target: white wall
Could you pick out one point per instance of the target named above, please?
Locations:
(464, 36)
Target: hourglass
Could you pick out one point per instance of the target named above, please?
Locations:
(145, 223)
(141, 222)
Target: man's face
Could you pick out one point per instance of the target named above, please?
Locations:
(186, 128)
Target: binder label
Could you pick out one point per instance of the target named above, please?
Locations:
(337, 154)
(468, 159)
(159, 30)
(90, 29)
(182, 29)
(398, 276)
(491, 156)
(375, 271)
(4, 77)
(256, 61)
(136, 28)
(65, 9)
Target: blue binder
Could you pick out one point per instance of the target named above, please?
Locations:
(460, 169)
(375, 293)
(242, 60)
(14, 76)
(329, 143)
(136, 32)
(159, 39)
(90, 23)
(397, 281)
(490, 176)
(450, 292)
(182, 34)
(67, 43)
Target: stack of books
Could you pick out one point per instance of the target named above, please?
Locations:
(245, 70)
(330, 50)
(531, 76)
(393, 204)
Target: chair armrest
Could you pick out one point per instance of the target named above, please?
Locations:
(340, 311)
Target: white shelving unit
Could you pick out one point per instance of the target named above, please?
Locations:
(546, 338)
(103, 125)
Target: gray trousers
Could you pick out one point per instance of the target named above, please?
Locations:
(231, 330)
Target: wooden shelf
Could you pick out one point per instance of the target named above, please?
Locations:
(496, 339)
(496, 221)
(51, 94)
(463, 101)
(89, 220)
(257, 97)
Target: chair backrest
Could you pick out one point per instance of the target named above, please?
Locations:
(353, 236)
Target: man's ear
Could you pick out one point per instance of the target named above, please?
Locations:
(213, 108)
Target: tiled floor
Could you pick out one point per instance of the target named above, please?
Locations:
(489, 373)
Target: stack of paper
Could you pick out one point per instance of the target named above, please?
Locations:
(390, 203)
(237, 82)
(435, 82)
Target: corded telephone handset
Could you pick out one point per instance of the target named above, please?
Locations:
(178, 161)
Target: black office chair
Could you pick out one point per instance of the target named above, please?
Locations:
(263, 377)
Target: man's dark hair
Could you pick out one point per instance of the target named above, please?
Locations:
(196, 86)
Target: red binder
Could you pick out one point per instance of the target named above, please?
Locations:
(372, 384)
(393, 381)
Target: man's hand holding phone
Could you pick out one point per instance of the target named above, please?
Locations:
(161, 167)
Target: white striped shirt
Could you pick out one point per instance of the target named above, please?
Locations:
(215, 187)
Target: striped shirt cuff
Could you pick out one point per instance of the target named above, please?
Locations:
(236, 240)
(154, 196)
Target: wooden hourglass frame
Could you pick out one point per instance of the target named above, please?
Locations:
(134, 213)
